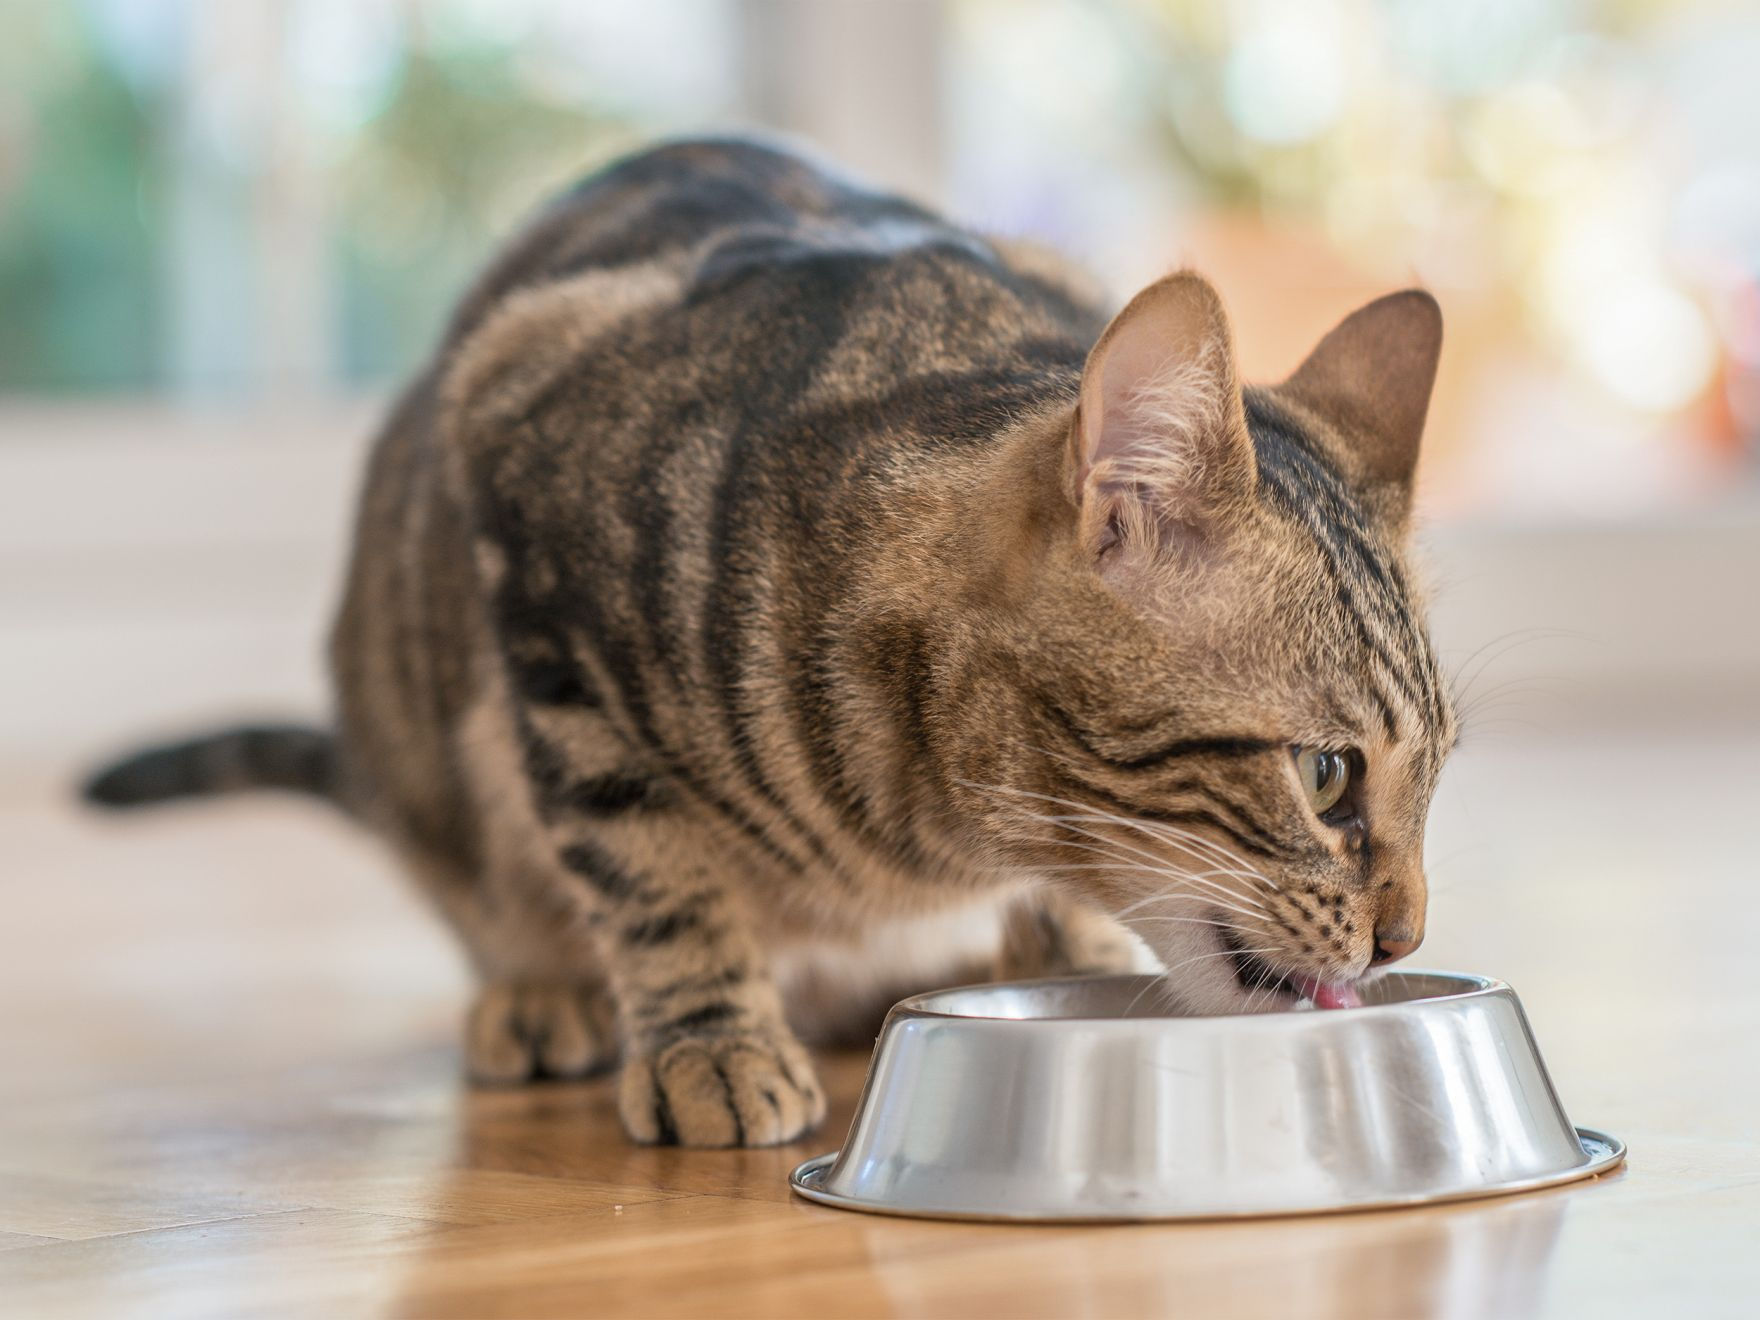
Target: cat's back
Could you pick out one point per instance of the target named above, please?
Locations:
(768, 264)
(666, 204)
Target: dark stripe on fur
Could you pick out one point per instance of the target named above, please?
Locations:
(663, 929)
(615, 792)
(609, 794)
(697, 984)
(556, 682)
(646, 508)
(666, 1129)
(1255, 841)
(1232, 747)
(814, 705)
(709, 1015)
(518, 612)
(1303, 484)
(1215, 815)
(811, 298)
(739, 1124)
(602, 873)
(1347, 589)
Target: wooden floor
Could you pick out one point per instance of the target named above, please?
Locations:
(230, 1088)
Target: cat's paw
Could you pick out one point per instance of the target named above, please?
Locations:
(745, 1089)
(1052, 936)
(519, 1033)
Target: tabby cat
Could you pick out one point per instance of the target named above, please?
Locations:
(773, 598)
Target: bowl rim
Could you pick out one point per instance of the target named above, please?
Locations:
(1473, 985)
(1603, 1153)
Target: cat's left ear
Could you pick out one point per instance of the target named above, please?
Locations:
(1370, 380)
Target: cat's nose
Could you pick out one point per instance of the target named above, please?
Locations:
(1391, 946)
(1399, 912)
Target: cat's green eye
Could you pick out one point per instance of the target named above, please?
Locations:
(1324, 776)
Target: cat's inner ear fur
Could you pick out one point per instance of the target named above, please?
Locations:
(1369, 381)
(1160, 450)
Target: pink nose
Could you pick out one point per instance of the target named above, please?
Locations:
(1391, 948)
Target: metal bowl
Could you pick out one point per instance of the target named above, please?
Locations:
(1084, 1098)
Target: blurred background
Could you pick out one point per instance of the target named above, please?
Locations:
(271, 201)
(228, 228)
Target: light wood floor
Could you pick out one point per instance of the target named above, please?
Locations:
(230, 1088)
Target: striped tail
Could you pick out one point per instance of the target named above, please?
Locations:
(228, 761)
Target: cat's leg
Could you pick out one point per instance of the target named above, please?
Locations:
(709, 1059)
(607, 873)
(542, 1009)
(607, 899)
(1046, 933)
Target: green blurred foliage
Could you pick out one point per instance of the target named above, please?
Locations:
(461, 152)
(466, 139)
(80, 226)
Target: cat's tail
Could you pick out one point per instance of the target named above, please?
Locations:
(227, 761)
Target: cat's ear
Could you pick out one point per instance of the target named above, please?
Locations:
(1160, 449)
(1370, 380)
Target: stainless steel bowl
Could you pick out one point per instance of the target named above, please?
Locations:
(1084, 1098)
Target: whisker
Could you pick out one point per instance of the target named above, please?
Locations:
(1218, 953)
(1154, 864)
(1221, 898)
(1062, 867)
(1463, 680)
(1074, 764)
(1101, 819)
(1196, 921)
(1186, 839)
(1164, 982)
(1165, 833)
(1168, 831)
(1200, 878)
(1160, 985)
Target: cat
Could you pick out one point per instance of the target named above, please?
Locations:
(769, 583)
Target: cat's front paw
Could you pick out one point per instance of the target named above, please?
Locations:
(520, 1033)
(1048, 935)
(745, 1089)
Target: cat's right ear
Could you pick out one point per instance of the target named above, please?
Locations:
(1159, 453)
(1371, 379)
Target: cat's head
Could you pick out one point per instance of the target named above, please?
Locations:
(1228, 718)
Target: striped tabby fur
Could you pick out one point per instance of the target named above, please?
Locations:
(769, 578)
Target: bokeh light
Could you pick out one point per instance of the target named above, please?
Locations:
(213, 198)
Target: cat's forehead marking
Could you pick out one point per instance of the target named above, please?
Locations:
(1368, 608)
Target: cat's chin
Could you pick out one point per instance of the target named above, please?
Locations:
(1207, 979)
(1212, 976)
(1226, 994)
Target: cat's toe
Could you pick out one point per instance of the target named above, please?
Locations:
(740, 1090)
(520, 1033)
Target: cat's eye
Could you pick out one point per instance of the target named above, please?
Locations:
(1324, 775)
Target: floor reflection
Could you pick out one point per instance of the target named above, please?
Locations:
(1478, 1259)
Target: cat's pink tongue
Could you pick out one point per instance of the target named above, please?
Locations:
(1328, 994)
